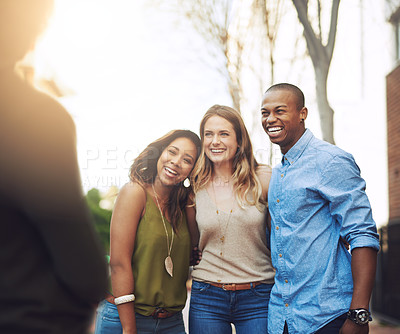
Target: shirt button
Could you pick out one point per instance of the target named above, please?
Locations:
(286, 281)
(286, 304)
(280, 255)
(281, 175)
(277, 200)
(277, 228)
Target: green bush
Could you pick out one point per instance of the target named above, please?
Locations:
(101, 217)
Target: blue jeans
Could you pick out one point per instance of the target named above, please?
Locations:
(107, 319)
(334, 326)
(213, 310)
(107, 322)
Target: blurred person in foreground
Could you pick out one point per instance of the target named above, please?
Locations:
(52, 269)
(316, 196)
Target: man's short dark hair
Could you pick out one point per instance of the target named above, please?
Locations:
(296, 91)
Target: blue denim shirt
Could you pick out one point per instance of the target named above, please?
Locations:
(315, 196)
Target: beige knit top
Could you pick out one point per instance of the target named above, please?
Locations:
(242, 255)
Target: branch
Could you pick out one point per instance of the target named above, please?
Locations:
(333, 28)
(315, 46)
(319, 21)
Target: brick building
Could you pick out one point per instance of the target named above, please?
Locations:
(393, 123)
(386, 297)
(393, 133)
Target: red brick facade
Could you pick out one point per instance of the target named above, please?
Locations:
(393, 132)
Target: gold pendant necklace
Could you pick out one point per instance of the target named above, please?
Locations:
(169, 266)
(222, 230)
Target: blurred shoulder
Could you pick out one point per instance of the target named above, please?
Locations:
(37, 108)
(50, 109)
(263, 171)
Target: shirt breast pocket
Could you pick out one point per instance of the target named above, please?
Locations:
(300, 203)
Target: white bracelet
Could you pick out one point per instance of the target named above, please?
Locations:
(124, 299)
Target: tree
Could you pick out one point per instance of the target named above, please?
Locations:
(269, 14)
(217, 23)
(321, 55)
(212, 19)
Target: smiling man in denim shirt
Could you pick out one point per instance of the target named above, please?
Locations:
(316, 196)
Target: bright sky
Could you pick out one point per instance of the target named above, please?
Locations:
(131, 81)
(133, 74)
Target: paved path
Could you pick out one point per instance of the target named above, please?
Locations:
(376, 327)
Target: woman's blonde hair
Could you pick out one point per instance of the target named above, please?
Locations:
(246, 184)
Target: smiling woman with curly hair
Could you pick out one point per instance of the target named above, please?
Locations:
(150, 242)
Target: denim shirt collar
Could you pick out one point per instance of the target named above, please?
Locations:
(295, 152)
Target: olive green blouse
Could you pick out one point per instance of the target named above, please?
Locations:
(154, 287)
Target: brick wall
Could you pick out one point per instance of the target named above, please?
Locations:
(393, 132)
(386, 294)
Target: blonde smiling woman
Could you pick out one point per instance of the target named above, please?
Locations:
(232, 282)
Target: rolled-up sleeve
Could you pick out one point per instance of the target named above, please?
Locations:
(344, 188)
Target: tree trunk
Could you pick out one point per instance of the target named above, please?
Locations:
(321, 56)
(325, 111)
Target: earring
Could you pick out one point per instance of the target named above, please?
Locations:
(186, 183)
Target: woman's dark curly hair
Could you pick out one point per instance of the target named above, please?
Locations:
(144, 171)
